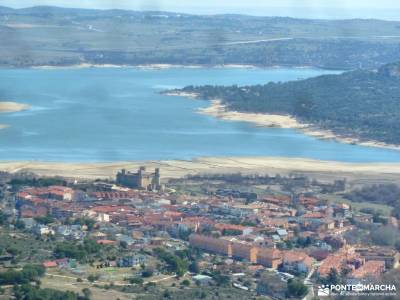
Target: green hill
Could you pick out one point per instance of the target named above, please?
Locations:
(363, 103)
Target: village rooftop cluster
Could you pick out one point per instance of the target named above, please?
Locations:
(239, 234)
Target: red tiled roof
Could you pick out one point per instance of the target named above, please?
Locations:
(314, 215)
(294, 256)
(372, 268)
(111, 208)
(331, 262)
(106, 242)
(222, 226)
(49, 264)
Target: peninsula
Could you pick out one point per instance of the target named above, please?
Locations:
(360, 106)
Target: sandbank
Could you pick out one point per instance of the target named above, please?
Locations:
(219, 110)
(7, 107)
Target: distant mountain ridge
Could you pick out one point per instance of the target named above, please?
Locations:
(362, 104)
(40, 9)
(55, 36)
(55, 10)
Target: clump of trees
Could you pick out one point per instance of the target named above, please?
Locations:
(30, 292)
(28, 274)
(37, 181)
(77, 251)
(385, 236)
(93, 277)
(48, 219)
(388, 194)
(89, 223)
(3, 219)
(295, 288)
(173, 262)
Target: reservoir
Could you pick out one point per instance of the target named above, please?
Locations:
(118, 114)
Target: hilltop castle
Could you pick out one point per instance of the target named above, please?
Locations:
(142, 179)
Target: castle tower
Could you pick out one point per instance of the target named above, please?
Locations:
(157, 179)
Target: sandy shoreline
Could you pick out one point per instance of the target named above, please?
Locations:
(219, 110)
(8, 107)
(210, 165)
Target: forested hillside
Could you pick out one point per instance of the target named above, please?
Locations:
(362, 103)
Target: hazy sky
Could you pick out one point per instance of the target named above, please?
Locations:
(388, 9)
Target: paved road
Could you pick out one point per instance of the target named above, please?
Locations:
(310, 295)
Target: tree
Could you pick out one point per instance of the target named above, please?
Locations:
(194, 267)
(45, 220)
(185, 282)
(148, 272)
(221, 279)
(29, 292)
(19, 225)
(3, 219)
(123, 244)
(26, 275)
(86, 221)
(333, 277)
(87, 293)
(231, 232)
(397, 245)
(13, 251)
(72, 250)
(167, 294)
(384, 235)
(174, 263)
(136, 280)
(93, 277)
(295, 288)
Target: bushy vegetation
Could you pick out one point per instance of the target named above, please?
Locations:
(3, 218)
(37, 182)
(385, 236)
(30, 292)
(48, 219)
(388, 194)
(173, 262)
(27, 274)
(76, 251)
(295, 288)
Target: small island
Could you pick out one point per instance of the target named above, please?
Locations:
(9, 107)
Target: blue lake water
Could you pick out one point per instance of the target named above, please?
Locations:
(111, 114)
